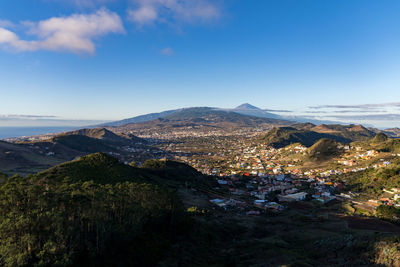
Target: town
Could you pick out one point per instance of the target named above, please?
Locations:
(254, 177)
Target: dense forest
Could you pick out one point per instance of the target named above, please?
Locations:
(50, 219)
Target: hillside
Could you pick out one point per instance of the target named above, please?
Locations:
(219, 116)
(30, 157)
(381, 142)
(284, 136)
(176, 174)
(351, 132)
(83, 143)
(99, 167)
(92, 211)
(392, 132)
(106, 135)
(201, 120)
(25, 158)
(105, 169)
(141, 118)
(379, 138)
(244, 109)
(324, 149)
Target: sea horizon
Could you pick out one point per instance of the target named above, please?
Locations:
(21, 131)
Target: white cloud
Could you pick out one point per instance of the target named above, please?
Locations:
(18, 116)
(150, 11)
(73, 34)
(143, 15)
(85, 3)
(167, 51)
(6, 23)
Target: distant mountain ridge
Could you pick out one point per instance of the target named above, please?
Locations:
(141, 118)
(202, 120)
(244, 109)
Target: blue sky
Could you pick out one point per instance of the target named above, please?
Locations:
(112, 59)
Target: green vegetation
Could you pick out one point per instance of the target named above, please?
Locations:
(323, 149)
(382, 143)
(389, 213)
(154, 164)
(25, 159)
(284, 136)
(372, 181)
(83, 143)
(88, 212)
(106, 135)
(379, 138)
(3, 177)
(392, 145)
(349, 132)
(99, 167)
(177, 174)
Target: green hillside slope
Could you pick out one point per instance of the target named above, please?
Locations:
(92, 211)
(284, 136)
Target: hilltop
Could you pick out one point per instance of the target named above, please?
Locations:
(105, 169)
(284, 136)
(324, 149)
(105, 135)
(100, 167)
(352, 132)
(250, 110)
(382, 143)
(307, 134)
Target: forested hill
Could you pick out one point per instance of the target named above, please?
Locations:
(308, 134)
(93, 211)
(284, 136)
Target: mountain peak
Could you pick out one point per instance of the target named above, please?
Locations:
(247, 106)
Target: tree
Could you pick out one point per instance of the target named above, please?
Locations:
(388, 213)
(133, 164)
(3, 177)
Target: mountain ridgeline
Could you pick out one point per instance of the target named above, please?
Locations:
(308, 134)
(95, 140)
(381, 142)
(30, 157)
(202, 120)
(244, 109)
